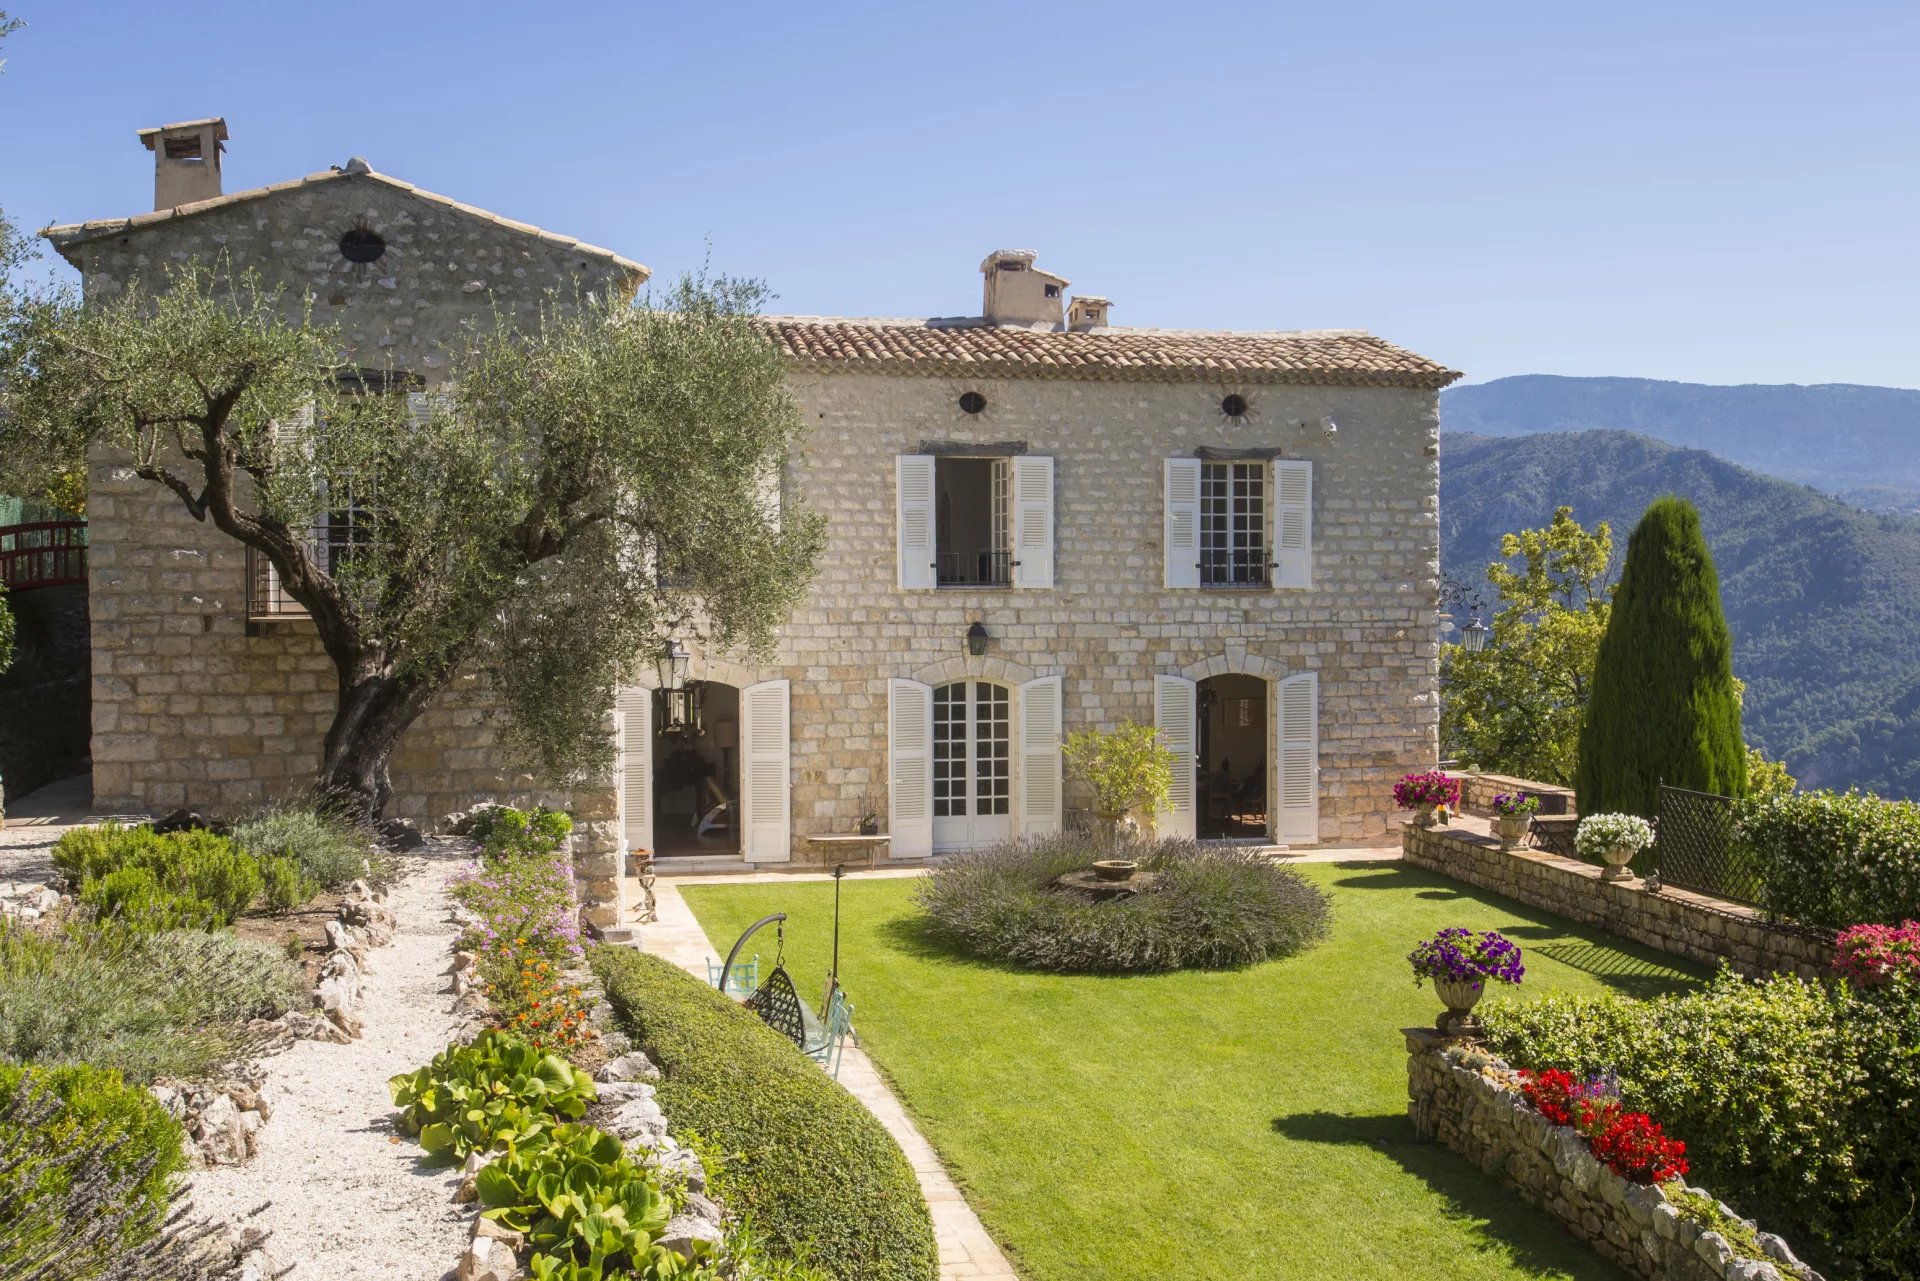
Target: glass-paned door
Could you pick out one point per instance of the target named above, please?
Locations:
(972, 765)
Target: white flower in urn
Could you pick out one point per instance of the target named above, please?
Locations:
(1612, 839)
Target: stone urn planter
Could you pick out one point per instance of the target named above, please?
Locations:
(1512, 828)
(1459, 996)
(1617, 857)
(1115, 869)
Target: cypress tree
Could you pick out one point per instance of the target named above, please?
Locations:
(1663, 705)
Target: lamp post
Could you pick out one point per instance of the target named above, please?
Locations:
(1473, 637)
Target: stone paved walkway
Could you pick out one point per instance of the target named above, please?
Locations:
(965, 1248)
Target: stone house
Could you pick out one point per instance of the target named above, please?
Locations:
(1037, 522)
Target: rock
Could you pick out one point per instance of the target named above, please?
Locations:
(170, 1099)
(640, 1122)
(339, 991)
(498, 1232)
(632, 1066)
(315, 1027)
(1713, 1248)
(624, 1091)
(256, 1265)
(487, 1260)
(47, 901)
(219, 1133)
(340, 938)
(1751, 1270)
(683, 1230)
(701, 1207)
(398, 834)
(374, 919)
(681, 1162)
(185, 820)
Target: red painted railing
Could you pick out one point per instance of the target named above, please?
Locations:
(48, 553)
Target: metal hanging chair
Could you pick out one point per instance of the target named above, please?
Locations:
(776, 1000)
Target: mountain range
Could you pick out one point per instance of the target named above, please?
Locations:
(1858, 443)
(1823, 598)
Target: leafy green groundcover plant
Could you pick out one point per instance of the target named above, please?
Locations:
(498, 1091)
(587, 1210)
(1833, 859)
(170, 1003)
(86, 1163)
(1208, 907)
(1797, 1100)
(818, 1175)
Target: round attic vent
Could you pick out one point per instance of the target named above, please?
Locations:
(972, 402)
(362, 245)
(1234, 406)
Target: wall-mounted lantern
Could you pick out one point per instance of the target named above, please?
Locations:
(977, 639)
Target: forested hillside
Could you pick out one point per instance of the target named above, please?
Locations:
(1823, 598)
(1860, 443)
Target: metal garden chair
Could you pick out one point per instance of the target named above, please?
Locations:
(826, 1048)
(744, 978)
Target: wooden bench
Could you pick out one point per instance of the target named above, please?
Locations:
(833, 841)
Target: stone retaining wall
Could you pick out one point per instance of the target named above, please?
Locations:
(1478, 790)
(1676, 921)
(1466, 1101)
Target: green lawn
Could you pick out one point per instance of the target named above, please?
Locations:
(1199, 1125)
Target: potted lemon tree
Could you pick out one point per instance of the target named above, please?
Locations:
(1131, 773)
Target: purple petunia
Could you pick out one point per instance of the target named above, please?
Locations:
(1459, 955)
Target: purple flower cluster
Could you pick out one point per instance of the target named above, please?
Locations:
(530, 901)
(1515, 803)
(1459, 955)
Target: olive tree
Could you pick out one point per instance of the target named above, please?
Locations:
(517, 519)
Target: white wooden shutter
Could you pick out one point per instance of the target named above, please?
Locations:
(1040, 783)
(1032, 522)
(1296, 751)
(1183, 522)
(1173, 712)
(913, 503)
(1292, 523)
(910, 768)
(635, 707)
(766, 773)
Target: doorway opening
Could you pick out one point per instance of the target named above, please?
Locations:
(1230, 758)
(972, 765)
(696, 771)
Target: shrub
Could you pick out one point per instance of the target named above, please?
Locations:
(85, 1167)
(1871, 955)
(1129, 768)
(507, 833)
(815, 1171)
(529, 1000)
(1796, 1100)
(1204, 907)
(215, 880)
(1833, 859)
(498, 1090)
(1664, 706)
(171, 1004)
(330, 850)
(284, 885)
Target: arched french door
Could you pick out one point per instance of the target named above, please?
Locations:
(972, 764)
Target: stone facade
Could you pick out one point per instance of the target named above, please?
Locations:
(193, 707)
(1465, 1100)
(1108, 625)
(1679, 922)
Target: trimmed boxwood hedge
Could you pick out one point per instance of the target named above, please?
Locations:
(818, 1173)
(1833, 858)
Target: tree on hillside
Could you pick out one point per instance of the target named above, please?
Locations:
(1665, 705)
(516, 520)
(1516, 706)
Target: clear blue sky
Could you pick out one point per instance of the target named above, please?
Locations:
(1701, 191)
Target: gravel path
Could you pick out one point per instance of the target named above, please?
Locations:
(350, 1203)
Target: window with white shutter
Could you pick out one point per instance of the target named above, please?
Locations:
(1182, 538)
(1174, 708)
(1040, 780)
(974, 521)
(910, 768)
(1032, 522)
(1292, 523)
(913, 501)
(1296, 754)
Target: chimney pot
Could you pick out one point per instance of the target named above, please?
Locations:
(1087, 312)
(186, 160)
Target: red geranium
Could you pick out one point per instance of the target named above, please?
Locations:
(1552, 1093)
(1634, 1147)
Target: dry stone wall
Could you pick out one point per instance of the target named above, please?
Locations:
(1675, 921)
(1466, 1101)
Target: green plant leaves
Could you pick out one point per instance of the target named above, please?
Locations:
(497, 1091)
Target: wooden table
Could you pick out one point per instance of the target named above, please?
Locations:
(853, 839)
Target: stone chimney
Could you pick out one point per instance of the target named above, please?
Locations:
(1018, 293)
(1087, 312)
(186, 160)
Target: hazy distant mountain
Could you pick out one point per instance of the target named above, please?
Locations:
(1861, 443)
(1823, 599)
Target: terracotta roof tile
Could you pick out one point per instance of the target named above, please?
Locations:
(933, 347)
